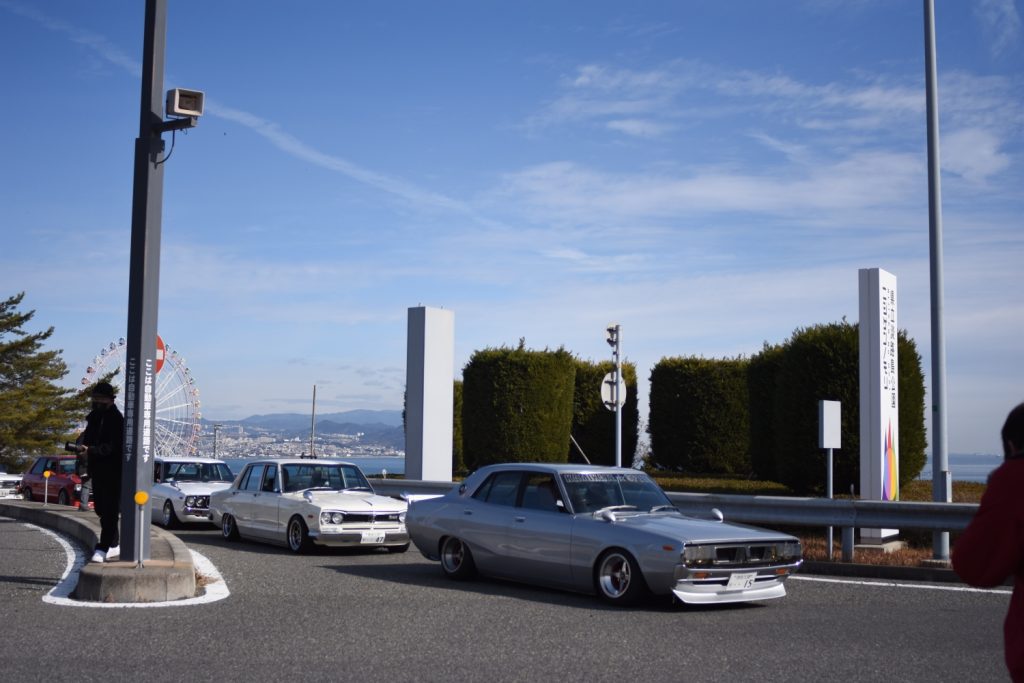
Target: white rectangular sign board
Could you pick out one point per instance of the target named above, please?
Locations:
(829, 424)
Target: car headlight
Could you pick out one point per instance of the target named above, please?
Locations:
(190, 501)
(331, 518)
(788, 552)
(698, 555)
(401, 517)
(78, 488)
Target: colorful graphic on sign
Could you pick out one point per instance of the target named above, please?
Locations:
(890, 484)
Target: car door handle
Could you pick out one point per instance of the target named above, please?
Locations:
(467, 512)
(520, 519)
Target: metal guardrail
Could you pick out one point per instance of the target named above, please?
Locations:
(780, 510)
(867, 514)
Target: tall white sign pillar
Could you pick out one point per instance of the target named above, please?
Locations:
(429, 385)
(879, 393)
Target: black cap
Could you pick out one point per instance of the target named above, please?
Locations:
(103, 389)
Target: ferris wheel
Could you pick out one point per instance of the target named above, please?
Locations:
(177, 426)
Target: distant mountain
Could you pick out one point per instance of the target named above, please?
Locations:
(278, 422)
(378, 434)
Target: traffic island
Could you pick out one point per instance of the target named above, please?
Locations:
(168, 575)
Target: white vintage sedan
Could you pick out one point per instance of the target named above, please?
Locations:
(300, 503)
(182, 488)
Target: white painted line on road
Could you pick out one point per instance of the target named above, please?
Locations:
(215, 586)
(890, 584)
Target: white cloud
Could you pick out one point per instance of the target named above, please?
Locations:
(973, 154)
(639, 128)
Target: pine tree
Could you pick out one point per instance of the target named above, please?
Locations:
(36, 413)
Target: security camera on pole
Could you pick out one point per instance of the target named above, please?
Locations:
(613, 389)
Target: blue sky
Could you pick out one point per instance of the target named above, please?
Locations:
(709, 174)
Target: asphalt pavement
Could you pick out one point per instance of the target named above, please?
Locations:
(339, 615)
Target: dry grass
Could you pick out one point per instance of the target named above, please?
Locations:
(815, 549)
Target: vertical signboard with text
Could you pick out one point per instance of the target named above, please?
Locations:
(879, 392)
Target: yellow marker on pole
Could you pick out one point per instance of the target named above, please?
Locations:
(141, 497)
(46, 486)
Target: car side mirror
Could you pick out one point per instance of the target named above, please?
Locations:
(560, 504)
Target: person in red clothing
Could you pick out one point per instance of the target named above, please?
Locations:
(991, 549)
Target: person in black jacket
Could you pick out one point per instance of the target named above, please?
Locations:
(103, 446)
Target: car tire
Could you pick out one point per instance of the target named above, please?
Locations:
(62, 497)
(398, 548)
(228, 528)
(617, 578)
(457, 560)
(168, 519)
(26, 493)
(298, 536)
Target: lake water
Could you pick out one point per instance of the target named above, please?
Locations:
(966, 467)
(370, 465)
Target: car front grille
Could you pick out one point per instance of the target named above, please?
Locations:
(745, 555)
(371, 518)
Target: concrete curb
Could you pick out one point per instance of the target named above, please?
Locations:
(169, 574)
(879, 571)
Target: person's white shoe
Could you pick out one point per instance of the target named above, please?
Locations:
(98, 556)
(114, 552)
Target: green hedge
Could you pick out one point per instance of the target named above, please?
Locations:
(458, 461)
(817, 363)
(762, 376)
(517, 406)
(822, 363)
(699, 421)
(593, 425)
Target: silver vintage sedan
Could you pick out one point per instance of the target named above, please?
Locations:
(591, 529)
(300, 503)
(182, 488)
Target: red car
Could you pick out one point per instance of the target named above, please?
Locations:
(64, 487)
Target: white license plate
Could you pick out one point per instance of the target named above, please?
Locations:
(372, 537)
(742, 581)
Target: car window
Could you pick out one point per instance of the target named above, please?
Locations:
(589, 492)
(540, 492)
(66, 466)
(185, 471)
(500, 489)
(216, 471)
(270, 479)
(39, 467)
(252, 483)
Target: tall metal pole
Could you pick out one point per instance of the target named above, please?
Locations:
(941, 482)
(617, 397)
(144, 290)
(312, 425)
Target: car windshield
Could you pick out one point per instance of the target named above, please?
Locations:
(323, 476)
(592, 491)
(199, 471)
(66, 466)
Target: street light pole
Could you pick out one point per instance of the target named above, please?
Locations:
(216, 428)
(941, 480)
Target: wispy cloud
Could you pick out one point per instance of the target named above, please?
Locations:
(1000, 22)
(269, 130)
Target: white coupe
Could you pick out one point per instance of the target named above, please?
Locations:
(300, 503)
(182, 488)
